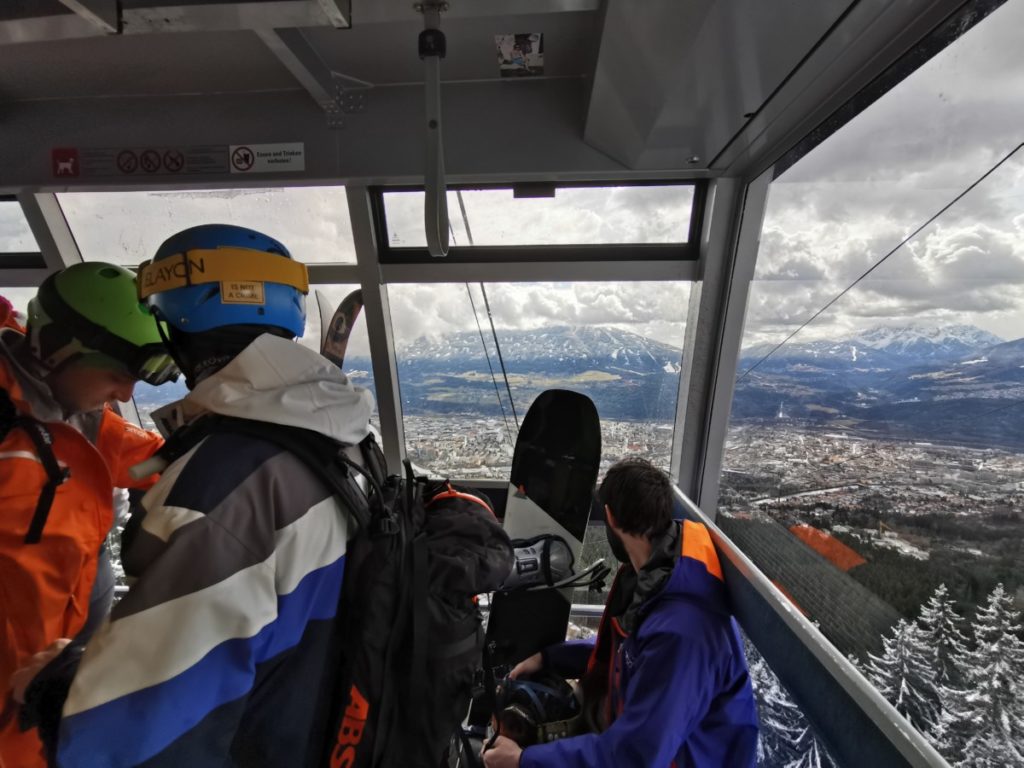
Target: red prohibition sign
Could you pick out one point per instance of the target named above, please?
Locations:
(174, 161)
(127, 161)
(150, 161)
(243, 158)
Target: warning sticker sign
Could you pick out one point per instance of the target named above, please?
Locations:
(268, 158)
(238, 292)
(73, 162)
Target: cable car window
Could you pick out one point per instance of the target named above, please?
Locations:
(466, 384)
(128, 227)
(15, 234)
(874, 467)
(590, 215)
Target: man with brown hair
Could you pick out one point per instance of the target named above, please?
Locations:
(666, 682)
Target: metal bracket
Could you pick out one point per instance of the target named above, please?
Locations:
(103, 14)
(337, 94)
(338, 12)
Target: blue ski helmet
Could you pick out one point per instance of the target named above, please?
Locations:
(219, 275)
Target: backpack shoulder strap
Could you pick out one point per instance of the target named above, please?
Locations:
(321, 454)
(373, 459)
(42, 440)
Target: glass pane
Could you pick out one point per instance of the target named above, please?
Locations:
(15, 234)
(620, 344)
(875, 458)
(127, 227)
(574, 216)
(785, 737)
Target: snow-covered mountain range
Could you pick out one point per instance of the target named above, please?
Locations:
(915, 381)
(569, 349)
(885, 346)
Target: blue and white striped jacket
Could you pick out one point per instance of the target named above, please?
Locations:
(222, 652)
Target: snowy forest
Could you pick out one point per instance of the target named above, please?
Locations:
(959, 684)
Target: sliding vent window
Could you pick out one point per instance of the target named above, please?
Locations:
(472, 357)
(127, 227)
(15, 234)
(874, 466)
(569, 216)
(18, 246)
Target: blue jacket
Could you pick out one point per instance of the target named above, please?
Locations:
(669, 658)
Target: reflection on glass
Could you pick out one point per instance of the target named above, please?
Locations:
(127, 227)
(620, 344)
(785, 737)
(15, 234)
(574, 216)
(874, 468)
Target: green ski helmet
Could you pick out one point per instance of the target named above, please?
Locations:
(91, 312)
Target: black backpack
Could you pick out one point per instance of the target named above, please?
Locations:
(409, 624)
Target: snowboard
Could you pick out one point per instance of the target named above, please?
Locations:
(336, 327)
(554, 469)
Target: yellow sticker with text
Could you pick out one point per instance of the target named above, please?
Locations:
(239, 292)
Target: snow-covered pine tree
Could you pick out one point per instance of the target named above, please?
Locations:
(948, 646)
(904, 675)
(994, 675)
(786, 739)
(940, 629)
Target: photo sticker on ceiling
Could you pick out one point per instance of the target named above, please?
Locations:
(520, 55)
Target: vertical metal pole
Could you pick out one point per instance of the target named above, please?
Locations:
(378, 324)
(722, 319)
(46, 220)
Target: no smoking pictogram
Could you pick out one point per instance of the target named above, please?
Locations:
(242, 159)
(127, 161)
(150, 161)
(174, 161)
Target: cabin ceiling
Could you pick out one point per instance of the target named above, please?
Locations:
(702, 87)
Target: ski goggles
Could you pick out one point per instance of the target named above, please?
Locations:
(152, 365)
(149, 363)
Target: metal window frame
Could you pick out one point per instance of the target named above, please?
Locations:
(541, 253)
(57, 248)
(857, 725)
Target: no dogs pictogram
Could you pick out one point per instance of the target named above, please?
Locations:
(242, 159)
(174, 161)
(127, 161)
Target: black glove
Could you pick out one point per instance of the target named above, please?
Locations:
(44, 698)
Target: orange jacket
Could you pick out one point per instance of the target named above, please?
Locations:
(8, 317)
(45, 586)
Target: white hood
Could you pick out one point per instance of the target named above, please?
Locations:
(281, 382)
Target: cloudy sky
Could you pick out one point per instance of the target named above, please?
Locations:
(829, 218)
(856, 196)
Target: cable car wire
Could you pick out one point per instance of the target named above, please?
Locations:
(494, 333)
(878, 263)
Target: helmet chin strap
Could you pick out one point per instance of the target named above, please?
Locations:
(173, 349)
